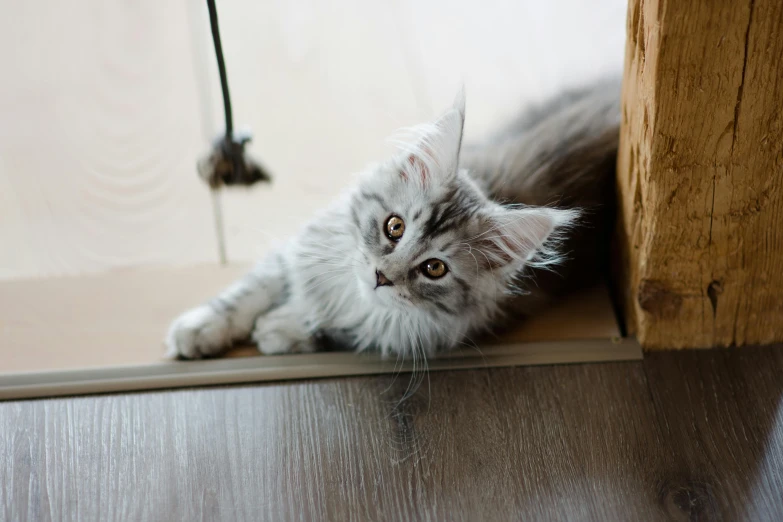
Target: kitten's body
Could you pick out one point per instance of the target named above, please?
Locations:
(344, 279)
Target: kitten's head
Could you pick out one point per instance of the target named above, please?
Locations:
(433, 242)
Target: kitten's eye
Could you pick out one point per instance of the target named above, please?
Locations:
(434, 268)
(395, 228)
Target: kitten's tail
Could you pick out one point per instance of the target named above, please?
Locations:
(560, 152)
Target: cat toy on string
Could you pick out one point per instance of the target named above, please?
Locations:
(227, 164)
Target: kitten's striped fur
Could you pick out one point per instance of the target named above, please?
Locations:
(518, 219)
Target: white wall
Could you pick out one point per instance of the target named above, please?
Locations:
(104, 108)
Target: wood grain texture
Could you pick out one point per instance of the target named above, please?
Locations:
(721, 415)
(106, 108)
(98, 137)
(682, 436)
(700, 172)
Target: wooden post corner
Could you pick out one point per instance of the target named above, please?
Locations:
(700, 173)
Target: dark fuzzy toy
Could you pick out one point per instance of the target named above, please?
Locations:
(229, 164)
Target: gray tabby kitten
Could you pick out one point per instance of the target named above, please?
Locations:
(437, 243)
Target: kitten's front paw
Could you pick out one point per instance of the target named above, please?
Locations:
(198, 333)
(277, 333)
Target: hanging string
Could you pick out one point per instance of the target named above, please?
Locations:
(227, 163)
(213, 22)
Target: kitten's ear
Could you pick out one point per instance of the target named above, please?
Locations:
(434, 154)
(459, 105)
(529, 235)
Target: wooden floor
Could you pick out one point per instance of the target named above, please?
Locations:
(105, 108)
(681, 436)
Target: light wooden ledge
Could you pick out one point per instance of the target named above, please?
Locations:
(235, 370)
(103, 333)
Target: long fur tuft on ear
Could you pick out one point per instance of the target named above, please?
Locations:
(430, 151)
(529, 236)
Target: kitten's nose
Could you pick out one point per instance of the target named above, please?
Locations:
(381, 280)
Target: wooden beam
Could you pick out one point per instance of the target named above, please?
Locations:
(700, 172)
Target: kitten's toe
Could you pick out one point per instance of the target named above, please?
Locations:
(198, 333)
(275, 336)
